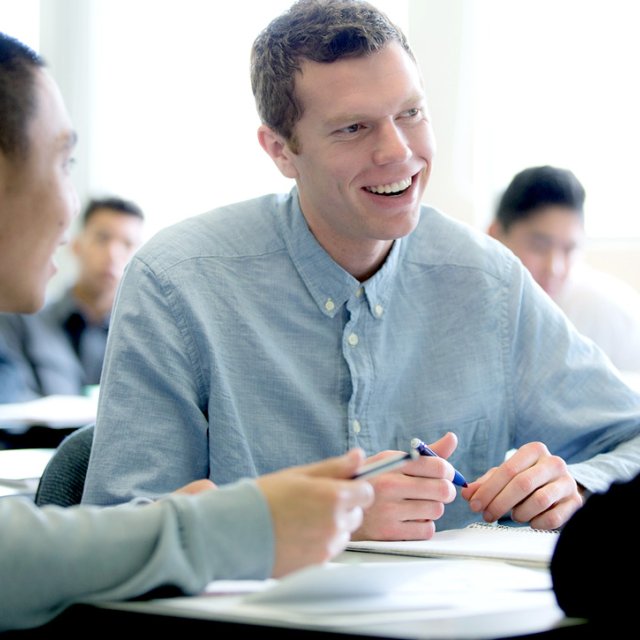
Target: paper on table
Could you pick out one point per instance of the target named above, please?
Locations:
(515, 544)
(20, 470)
(51, 411)
(336, 581)
(356, 594)
(23, 464)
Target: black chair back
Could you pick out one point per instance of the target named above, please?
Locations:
(62, 480)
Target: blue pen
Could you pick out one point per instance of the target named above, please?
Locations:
(424, 450)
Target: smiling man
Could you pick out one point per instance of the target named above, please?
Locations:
(346, 313)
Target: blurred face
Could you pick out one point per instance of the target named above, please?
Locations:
(103, 248)
(548, 243)
(37, 202)
(365, 147)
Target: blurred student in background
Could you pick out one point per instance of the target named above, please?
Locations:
(540, 217)
(60, 350)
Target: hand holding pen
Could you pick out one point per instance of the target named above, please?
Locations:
(418, 448)
(424, 450)
(408, 501)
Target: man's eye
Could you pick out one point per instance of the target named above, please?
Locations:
(352, 128)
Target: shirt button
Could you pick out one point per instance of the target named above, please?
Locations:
(359, 292)
(378, 310)
(353, 339)
(329, 305)
(356, 426)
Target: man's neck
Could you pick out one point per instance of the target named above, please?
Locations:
(95, 306)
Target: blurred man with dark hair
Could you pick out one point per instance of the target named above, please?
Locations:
(540, 217)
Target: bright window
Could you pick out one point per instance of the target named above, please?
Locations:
(21, 19)
(556, 82)
(173, 122)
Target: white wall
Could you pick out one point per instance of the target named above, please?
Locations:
(440, 32)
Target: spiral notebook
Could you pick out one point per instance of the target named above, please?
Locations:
(523, 545)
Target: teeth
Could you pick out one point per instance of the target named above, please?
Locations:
(394, 187)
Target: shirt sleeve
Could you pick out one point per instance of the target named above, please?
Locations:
(621, 463)
(161, 384)
(53, 557)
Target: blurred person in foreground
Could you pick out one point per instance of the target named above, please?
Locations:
(597, 547)
(52, 557)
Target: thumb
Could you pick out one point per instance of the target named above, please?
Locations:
(446, 445)
(340, 467)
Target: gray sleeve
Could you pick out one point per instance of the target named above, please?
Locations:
(53, 557)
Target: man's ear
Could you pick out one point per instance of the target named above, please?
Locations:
(278, 150)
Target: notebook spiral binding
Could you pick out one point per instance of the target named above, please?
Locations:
(525, 529)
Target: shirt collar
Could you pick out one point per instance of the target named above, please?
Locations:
(327, 282)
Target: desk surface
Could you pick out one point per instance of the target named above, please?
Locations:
(481, 616)
(55, 411)
(80, 620)
(20, 470)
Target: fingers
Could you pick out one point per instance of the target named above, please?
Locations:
(407, 502)
(313, 517)
(446, 445)
(558, 515)
(532, 485)
(196, 487)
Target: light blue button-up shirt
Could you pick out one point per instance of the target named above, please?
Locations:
(238, 346)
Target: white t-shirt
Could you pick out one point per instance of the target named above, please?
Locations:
(607, 310)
